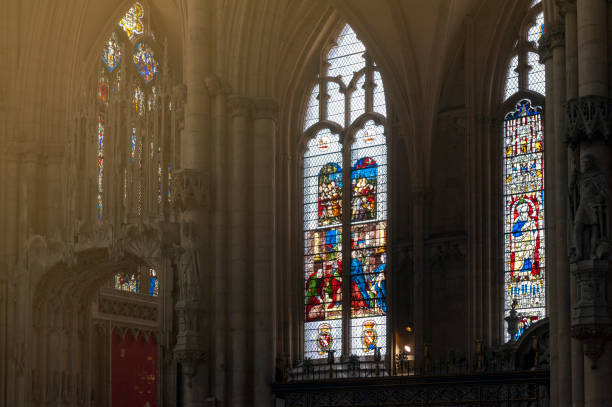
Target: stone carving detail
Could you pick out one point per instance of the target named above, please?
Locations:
(128, 309)
(589, 203)
(192, 190)
(545, 48)
(239, 106)
(513, 320)
(588, 118)
(143, 241)
(590, 319)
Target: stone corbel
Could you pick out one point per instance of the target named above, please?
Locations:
(588, 119)
(216, 86)
(239, 106)
(192, 190)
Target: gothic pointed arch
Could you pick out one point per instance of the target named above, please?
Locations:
(345, 203)
(523, 179)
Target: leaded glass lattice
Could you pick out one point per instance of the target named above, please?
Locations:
(512, 80)
(524, 213)
(325, 226)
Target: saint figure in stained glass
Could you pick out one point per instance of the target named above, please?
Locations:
(132, 21)
(524, 212)
(111, 55)
(145, 62)
(330, 194)
(363, 180)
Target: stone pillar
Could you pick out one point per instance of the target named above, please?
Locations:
(265, 116)
(192, 195)
(589, 120)
(219, 318)
(558, 191)
(240, 110)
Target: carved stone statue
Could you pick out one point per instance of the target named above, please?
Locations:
(589, 195)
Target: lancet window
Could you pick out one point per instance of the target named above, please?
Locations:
(135, 140)
(345, 205)
(523, 178)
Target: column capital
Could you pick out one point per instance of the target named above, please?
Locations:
(566, 6)
(265, 108)
(239, 105)
(557, 34)
(588, 118)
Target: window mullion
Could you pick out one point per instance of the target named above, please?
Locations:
(346, 246)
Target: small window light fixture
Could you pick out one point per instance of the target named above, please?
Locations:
(407, 348)
(408, 328)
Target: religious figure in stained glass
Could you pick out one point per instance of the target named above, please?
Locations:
(330, 194)
(368, 248)
(132, 21)
(111, 54)
(145, 62)
(323, 297)
(127, 282)
(153, 283)
(363, 180)
(524, 211)
(325, 228)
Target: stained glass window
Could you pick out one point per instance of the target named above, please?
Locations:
(523, 182)
(524, 211)
(145, 62)
(102, 87)
(138, 100)
(100, 166)
(325, 227)
(111, 55)
(512, 79)
(132, 21)
(129, 282)
(141, 134)
(153, 283)
(524, 197)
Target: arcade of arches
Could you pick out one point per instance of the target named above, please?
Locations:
(181, 180)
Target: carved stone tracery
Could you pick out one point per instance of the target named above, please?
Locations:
(588, 119)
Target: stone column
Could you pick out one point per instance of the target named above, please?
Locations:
(192, 197)
(589, 124)
(240, 110)
(219, 319)
(568, 8)
(265, 115)
(558, 191)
